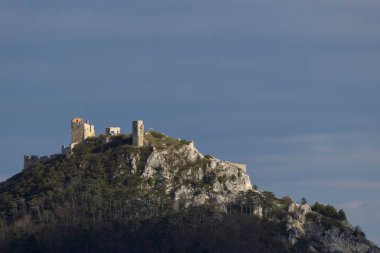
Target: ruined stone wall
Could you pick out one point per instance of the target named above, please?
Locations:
(138, 133)
(88, 130)
(31, 160)
(65, 150)
(241, 166)
(81, 130)
(113, 130)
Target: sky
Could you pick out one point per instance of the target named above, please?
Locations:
(289, 87)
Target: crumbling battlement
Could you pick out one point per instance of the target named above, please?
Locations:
(81, 130)
(31, 160)
(241, 166)
(113, 131)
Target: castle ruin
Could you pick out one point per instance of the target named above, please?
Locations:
(113, 131)
(80, 131)
(138, 133)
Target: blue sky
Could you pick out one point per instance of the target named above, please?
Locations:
(289, 87)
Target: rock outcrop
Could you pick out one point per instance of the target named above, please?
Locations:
(195, 179)
(312, 232)
(107, 180)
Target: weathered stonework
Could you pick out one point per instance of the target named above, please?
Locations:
(31, 160)
(113, 130)
(65, 150)
(138, 133)
(241, 166)
(81, 130)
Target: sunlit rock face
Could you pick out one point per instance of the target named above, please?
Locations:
(194, 179)
(162, 177)
(323, 234)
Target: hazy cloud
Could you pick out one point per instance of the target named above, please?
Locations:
(352, 205)
(345, 184)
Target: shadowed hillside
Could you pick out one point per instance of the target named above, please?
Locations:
(110, 196)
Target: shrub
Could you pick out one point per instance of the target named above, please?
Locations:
(286, 201)
(326, 210)
(358, 232)
(342, 215)
(222, 179)
(312, 216)
(157, 135)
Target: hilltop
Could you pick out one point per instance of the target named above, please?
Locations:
(110, 195)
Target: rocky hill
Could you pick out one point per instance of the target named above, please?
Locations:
(109, 196)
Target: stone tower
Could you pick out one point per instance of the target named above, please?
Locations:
(81, 130)
(138, 133)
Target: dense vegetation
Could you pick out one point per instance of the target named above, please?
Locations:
(329, 211)
(76, 203)
(92, 201)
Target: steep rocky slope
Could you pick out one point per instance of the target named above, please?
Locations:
(108, 185)
(312, 232)
(194, 179)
